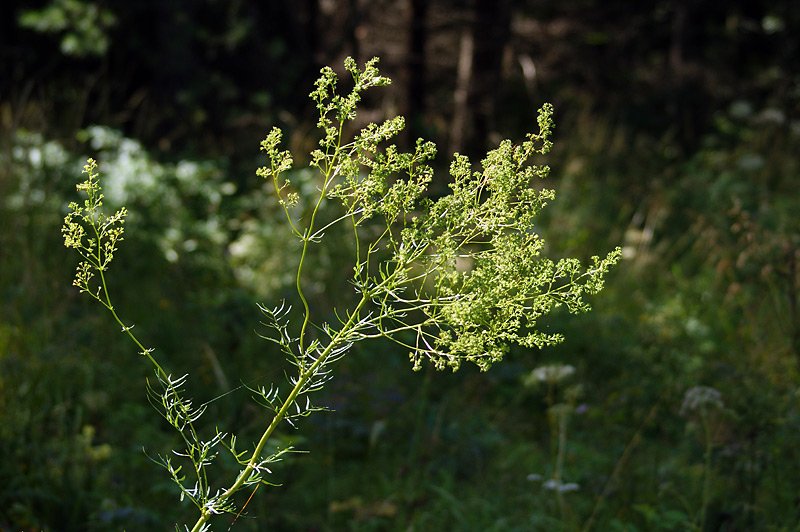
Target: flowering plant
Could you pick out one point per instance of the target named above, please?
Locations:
(456, 279)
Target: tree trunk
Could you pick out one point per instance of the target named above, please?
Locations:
(491, 31)
(416, 67)
(463, 81)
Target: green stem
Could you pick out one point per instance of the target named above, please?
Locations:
(707, 470)
(127, 329)
(620, 465)
(328, 177)
(564, 508)
(281, 414)
(305, 375)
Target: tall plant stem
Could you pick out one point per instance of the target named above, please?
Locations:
(621, 463)
(99, 263)
(127, 330)
(329, 174)
(303, 378)
(707, 470)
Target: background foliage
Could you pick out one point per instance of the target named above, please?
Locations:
(677, 134)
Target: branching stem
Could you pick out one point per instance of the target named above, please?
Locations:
(456, 279)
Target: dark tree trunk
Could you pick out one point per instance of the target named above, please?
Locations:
(416, 67)
(461, 115)
(353, 21)
(491, 31)
(310, 27)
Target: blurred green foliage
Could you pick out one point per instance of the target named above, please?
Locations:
(83, 26)
(694, 174)
(704, 297)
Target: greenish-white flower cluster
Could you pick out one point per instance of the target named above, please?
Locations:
(98, 244)
(459, 278)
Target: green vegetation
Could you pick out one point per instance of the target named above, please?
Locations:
(671, 406)
(459, 278)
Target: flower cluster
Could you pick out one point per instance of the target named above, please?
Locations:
(460, 278)
(97, 247)
(700, 398)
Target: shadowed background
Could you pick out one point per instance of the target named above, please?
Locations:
(676, 133)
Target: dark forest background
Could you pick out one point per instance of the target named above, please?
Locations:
(677, 138)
